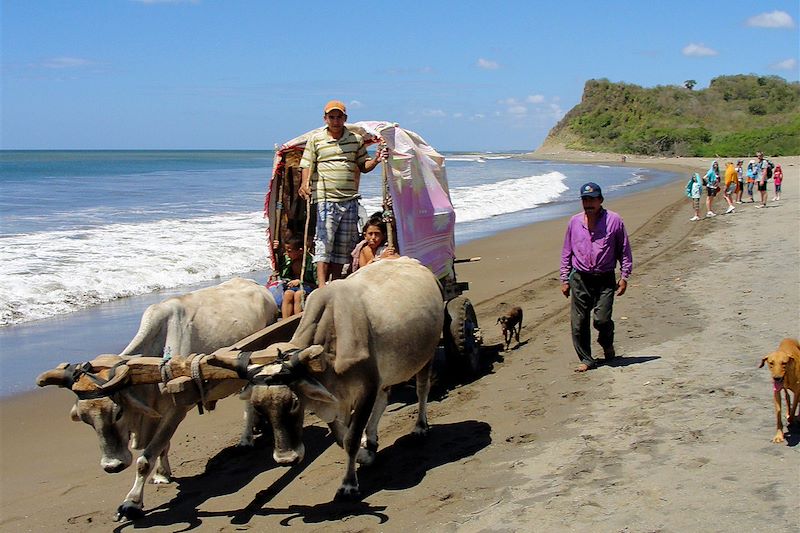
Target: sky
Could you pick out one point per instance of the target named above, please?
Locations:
(236, 74)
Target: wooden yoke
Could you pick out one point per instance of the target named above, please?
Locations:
(220, 365)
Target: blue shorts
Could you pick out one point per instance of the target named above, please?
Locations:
(337, 231)
(277, 288)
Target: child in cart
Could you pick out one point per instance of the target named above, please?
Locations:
(373, 246)
(286, 287)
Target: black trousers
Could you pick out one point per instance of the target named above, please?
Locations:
(591, 294)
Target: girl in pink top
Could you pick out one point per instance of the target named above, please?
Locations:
(777, 175)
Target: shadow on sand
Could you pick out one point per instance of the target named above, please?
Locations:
(399, 466)
(226, 473)
(633, 360)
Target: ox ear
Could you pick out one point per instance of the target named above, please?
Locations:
(314, 390)
(73, 413)
(135, 403)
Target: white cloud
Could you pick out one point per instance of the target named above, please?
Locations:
(698, 50)
(355, 104)
(508, 101)
(786, 64)
(434, 113)
(487, 64)
(517, 109)
(535, 99)
(774, 19)
(66, 62)
(458, 115)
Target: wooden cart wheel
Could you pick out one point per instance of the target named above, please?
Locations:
(462, 335)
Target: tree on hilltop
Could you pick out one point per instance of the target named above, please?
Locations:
(689, 84)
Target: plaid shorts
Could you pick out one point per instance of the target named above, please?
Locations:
(337, 231)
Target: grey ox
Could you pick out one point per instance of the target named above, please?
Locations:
(140, 416)
(357, 337)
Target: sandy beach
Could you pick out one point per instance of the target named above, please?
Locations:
(675, 437)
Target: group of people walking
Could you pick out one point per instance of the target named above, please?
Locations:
(732, 183)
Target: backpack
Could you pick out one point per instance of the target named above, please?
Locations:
(770, 166)
(689, 185)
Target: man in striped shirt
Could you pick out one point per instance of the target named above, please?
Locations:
(332, 161)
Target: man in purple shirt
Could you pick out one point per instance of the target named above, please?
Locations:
(595, 241)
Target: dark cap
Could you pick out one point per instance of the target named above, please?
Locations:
(591, 190)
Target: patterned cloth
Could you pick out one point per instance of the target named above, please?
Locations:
(337, 231)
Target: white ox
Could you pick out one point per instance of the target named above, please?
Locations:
(140, 416)
(358, 337)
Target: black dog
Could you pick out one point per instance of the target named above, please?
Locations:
(511, 322)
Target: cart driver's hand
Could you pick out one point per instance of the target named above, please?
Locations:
(304, 191)
(383, 152)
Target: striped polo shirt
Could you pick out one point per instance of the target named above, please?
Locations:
(333, 163)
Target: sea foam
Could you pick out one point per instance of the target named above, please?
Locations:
(51, 273)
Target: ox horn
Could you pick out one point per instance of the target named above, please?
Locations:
(55, 376)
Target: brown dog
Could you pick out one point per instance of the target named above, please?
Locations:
(784, 365)
(511, 322)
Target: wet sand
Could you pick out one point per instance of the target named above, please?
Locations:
(675, 437)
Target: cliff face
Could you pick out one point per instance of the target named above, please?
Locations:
(735, 115)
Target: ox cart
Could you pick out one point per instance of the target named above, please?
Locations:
(420, 220)
(149, 395)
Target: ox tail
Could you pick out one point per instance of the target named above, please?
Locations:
(150, 338)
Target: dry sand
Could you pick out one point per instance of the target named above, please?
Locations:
(676, 437)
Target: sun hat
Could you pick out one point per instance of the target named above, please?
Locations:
(591, 190)
(335, 104)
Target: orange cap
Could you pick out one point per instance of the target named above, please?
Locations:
(335, 104)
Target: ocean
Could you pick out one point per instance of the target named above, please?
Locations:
(89, 238)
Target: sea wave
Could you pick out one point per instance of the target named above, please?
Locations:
(635, 177)
(45, 274)
(507, 196)
(498, 198)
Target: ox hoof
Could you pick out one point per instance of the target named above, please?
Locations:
(129, 511)
(347, 493)
(365, 457)
(420, 431)
(161, 479)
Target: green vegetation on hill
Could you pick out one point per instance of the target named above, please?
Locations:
(736, 115)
